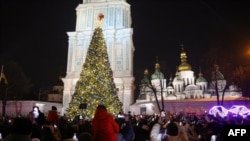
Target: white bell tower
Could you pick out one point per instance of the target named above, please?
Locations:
(118, 36)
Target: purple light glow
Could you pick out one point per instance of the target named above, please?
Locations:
(235, 110)
(240, 110)
(218, 110)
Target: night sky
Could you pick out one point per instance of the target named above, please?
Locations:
(33, 33)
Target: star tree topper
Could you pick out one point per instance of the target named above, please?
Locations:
(99, 20)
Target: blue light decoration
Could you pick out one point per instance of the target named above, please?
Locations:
(235, 110)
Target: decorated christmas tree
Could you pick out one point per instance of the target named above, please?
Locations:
(96, 84)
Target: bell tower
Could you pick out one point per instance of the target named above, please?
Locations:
(118, 36)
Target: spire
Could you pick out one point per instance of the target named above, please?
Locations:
(146, 72)
(183, 55)
(184, 65)
(200, 73)
(157, 65)
(182, 47)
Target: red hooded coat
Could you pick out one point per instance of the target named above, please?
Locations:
(104, 126)
(53, 117)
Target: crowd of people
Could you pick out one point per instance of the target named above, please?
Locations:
(125, 127)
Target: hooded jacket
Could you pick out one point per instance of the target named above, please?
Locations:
(104, 126)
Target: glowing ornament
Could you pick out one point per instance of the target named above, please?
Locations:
(235, 110)
(218, 110)
(239, 110)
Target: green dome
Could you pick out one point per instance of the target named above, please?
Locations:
(157, 75)
(217, 74)
(201, 79)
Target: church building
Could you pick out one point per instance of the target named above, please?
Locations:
(184, 90)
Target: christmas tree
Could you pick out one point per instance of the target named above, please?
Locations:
(96, 84)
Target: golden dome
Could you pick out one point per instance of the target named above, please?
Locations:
(184, 65)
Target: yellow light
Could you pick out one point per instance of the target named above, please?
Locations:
(248, 52)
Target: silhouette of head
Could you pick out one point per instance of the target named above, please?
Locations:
(102, 107)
